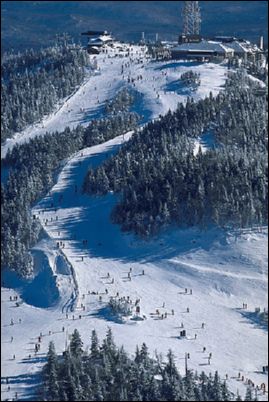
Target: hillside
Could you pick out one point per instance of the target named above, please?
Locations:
(205, 277)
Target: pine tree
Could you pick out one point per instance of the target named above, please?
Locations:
(76, 344)
(225, 394)
(249, 395)
(50, 374)
(109, 347)
(94, 345)
(217, 388)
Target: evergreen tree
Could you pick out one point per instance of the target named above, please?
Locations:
(94, 345)
(113, 376)
(249, 394)
(50, 375)
(76, 344)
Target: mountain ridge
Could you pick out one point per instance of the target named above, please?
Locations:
(35, 24)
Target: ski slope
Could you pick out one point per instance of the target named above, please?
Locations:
(158, 89)
(221, 269)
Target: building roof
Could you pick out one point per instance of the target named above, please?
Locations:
(238, 47)
(100, 40)
(204, 47)
(243, 47)
(105, 38)
(95, 42)
(94, 33)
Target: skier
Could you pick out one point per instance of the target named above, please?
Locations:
(163, 304)
(11, 321)
(63, 328)
(203, 325)
(143, 272)
(195, 336)
(11, 340)
(188, 310)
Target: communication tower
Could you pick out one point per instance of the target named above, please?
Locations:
(191, 15)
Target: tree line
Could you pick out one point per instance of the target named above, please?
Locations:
(34, 81)
(162, 182)
(107, 373)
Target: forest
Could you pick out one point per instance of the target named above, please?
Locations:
(34, 81)
(162, 182)
(107, 373)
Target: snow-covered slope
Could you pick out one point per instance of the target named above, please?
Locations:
(159, 89)
(220, 270)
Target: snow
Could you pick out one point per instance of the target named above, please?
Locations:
(88, 103)
(205, 141)
(224, 269)
(255, 79)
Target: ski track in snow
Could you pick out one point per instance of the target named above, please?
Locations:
(223, 270)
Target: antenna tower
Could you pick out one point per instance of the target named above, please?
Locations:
(191, 18)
